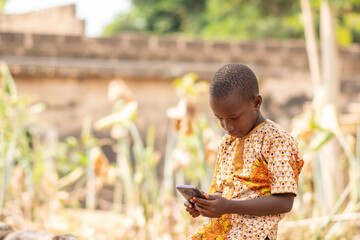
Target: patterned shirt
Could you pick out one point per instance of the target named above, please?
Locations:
(264, 162)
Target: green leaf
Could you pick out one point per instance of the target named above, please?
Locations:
(10, 87)
(320, 140)
(2, 5)
(343, 35)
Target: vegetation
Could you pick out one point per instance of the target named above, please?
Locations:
(45, 183)
(314, 129)
(235, 19)
(2, 5)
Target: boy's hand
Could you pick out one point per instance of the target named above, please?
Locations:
(214, 206)
(190, 208)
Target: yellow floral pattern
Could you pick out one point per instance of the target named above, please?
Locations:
(296, 165)
(259, 179)
(216, 228)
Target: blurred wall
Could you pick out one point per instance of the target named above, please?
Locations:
(70, 100)
(58, 20)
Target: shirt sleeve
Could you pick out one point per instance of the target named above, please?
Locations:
(284, 164)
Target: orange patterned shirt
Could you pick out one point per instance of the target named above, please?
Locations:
(264, 162)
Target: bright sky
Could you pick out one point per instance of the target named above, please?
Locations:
(96, 13)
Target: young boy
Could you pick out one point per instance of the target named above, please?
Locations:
(258, 164)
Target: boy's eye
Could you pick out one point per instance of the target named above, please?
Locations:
(234, 118)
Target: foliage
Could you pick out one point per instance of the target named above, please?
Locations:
(252, 20)
(159, 16)
(17, 145)
(40, 179)
(348, 25)
(136, 163)
(2, 5)
(212, 18)
(235, 19)
(188, 159)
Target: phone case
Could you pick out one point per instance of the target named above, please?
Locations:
(189, 191)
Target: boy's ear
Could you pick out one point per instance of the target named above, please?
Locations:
(257, 102)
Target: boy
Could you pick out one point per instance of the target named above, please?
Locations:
(257, 168)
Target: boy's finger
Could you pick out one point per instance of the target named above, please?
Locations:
(190, 208)
(189, 203)
(200, 210)
(201, 202)
(192, 211)
(195, 214)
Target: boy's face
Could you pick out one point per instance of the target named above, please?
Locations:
(237, 116)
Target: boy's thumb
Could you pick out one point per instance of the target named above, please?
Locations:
(206, 195)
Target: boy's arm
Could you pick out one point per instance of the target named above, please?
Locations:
(216, 205)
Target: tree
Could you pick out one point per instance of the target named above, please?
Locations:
(233, 19)
(212, 18)
(159, 16)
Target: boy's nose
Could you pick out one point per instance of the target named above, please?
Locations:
(228, 127)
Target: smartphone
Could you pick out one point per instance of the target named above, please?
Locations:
(189, 191)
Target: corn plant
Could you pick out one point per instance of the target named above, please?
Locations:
(316, 126)
(33, 172)
(191, 144)
(186, 156)
(16, 142)
(136, 185)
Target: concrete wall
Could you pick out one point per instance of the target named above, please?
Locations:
(59, 20)
(273, 54)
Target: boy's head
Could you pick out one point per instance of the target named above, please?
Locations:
(235, 100)
(234, 78)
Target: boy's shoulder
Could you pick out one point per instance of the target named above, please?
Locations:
(272, 130)
(268, 131)
(272, 126)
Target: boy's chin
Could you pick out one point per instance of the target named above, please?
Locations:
(236, 134)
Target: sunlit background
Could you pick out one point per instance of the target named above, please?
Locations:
(97, 14)
(103, 110)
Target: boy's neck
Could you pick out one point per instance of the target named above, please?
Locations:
(259, 121)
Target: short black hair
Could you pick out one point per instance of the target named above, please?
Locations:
(232, 78)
